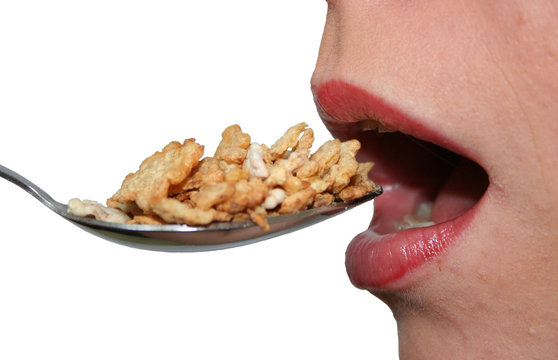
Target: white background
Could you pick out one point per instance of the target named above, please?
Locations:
(87, 91)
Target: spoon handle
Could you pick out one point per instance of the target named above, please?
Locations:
(28, 186)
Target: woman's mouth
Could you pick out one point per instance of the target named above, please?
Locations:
(431, 185)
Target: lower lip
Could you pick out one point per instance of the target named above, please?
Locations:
(378, 262)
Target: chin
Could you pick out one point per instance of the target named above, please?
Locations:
(435, 188)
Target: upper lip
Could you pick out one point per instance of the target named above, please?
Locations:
(345, 121)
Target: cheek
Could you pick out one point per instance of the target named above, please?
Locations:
(501, 264)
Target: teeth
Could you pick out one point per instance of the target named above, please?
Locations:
(424, 211)
(383, 129)
(370, 124)
(410, 222)
(421, 218)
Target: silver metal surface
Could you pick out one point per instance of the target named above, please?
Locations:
(182, 238)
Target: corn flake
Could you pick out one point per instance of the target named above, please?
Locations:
(242, 181)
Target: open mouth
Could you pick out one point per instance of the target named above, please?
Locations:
(430, 191)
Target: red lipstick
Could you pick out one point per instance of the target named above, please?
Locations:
(382, 255)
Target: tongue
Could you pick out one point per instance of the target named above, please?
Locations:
(461, 192)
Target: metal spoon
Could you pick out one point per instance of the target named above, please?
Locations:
(182, 238)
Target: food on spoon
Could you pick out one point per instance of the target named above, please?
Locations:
(100, 212)
(150, 184)
(242, 180)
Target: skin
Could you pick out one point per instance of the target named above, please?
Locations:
(485, 75)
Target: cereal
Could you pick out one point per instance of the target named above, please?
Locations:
(274, 198)
(248, 195)
(255, 161)
(288, 140)
(359, 184)
(339, 175)
(174, 211)
(323, 199)
(294, 161)
(206, 173)
(210, 196)
(234, 172)
(361, 176)
(92, 208)
(150, 184)
(293, 184)
(147, 220)
(277, 176)
(324, 158)
(259, 216)
(242, 181)
(318, 184)
(352, 192)
(300, 200)
(234, 145)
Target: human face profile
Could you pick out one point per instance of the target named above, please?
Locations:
(456, 104)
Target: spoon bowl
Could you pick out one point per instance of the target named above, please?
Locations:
(183, 238)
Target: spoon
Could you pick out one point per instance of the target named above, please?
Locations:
(183, 238)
